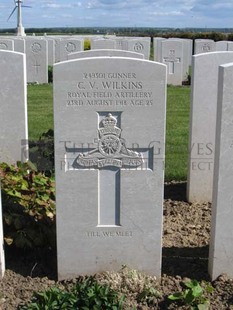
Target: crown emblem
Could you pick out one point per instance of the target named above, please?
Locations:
(109, 126)
(109, 121)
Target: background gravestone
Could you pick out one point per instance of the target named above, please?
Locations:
(6, 44)
(19, 45)
(221, 46)
(37, 60)
(175, 44)
(103, 44)
(230, 46)
(157, 48)
(57, 48)
(172, 56)
(121, 43)
(204, 46)
(221, 242)
(51, 51)
(140, 46)
(203, 124)
(109, 116)
(13, 106)
(101, 53)
(68, 46)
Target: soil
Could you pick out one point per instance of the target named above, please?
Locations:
(185, 256)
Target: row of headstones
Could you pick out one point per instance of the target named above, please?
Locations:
(43, 51)
(60, 47)
(175, 53)
(109, 113)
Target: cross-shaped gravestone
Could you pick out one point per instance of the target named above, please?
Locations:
(171, 60)
(110, 156)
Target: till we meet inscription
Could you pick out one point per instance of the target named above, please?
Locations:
(109, 147)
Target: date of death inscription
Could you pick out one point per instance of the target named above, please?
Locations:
(109, 89)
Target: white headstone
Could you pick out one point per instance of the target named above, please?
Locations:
(68, 46)
(101, 53)
(204, 46)
(2, 254)
(221, 46)
(158, 48)
(187, 47)
(57, 49)
(13, 107)
(187, 56)
(172, 56)
(51, 51)
(6, 44)
(109, 116)
(103, 44)
(37, 60)
(121, 43)
(230, 46)
(141, 46)
(203, 124)
(19, 45)
(189, 42)
(221, 242)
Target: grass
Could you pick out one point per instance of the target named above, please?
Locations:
(40, 119)
(40, 109)
(177, 128)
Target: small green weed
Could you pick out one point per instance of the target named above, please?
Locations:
(84, 295)
(193, 295)
(148, 295)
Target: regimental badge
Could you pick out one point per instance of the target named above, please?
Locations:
(111, 150)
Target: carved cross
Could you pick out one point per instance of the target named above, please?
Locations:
(110, 157)
(171, 60)
(36, 66)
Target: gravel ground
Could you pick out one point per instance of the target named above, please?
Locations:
(185, 255)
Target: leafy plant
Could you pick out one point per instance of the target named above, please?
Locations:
(41, 152)
(28, 199)
(193, 295)
(87, 294)
(148, 295)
